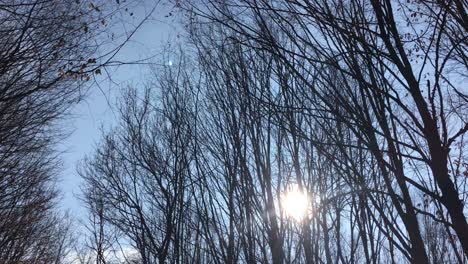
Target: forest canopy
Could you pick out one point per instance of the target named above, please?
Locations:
(325, 131)
(358, 106)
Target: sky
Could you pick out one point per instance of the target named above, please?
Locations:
(97, 111)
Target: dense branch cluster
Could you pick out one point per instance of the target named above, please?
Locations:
(361, 104)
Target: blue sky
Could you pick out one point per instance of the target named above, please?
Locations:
(98, 110)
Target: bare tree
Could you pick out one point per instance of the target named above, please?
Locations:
(358, 104)
(140, 173)
(397, 91)
(48, 51)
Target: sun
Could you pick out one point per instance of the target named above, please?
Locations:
(295, 203)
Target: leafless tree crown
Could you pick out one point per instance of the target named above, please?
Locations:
(360, 104)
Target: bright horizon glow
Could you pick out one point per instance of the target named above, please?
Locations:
(295, 203)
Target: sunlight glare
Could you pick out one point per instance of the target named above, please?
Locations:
(295, 203)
